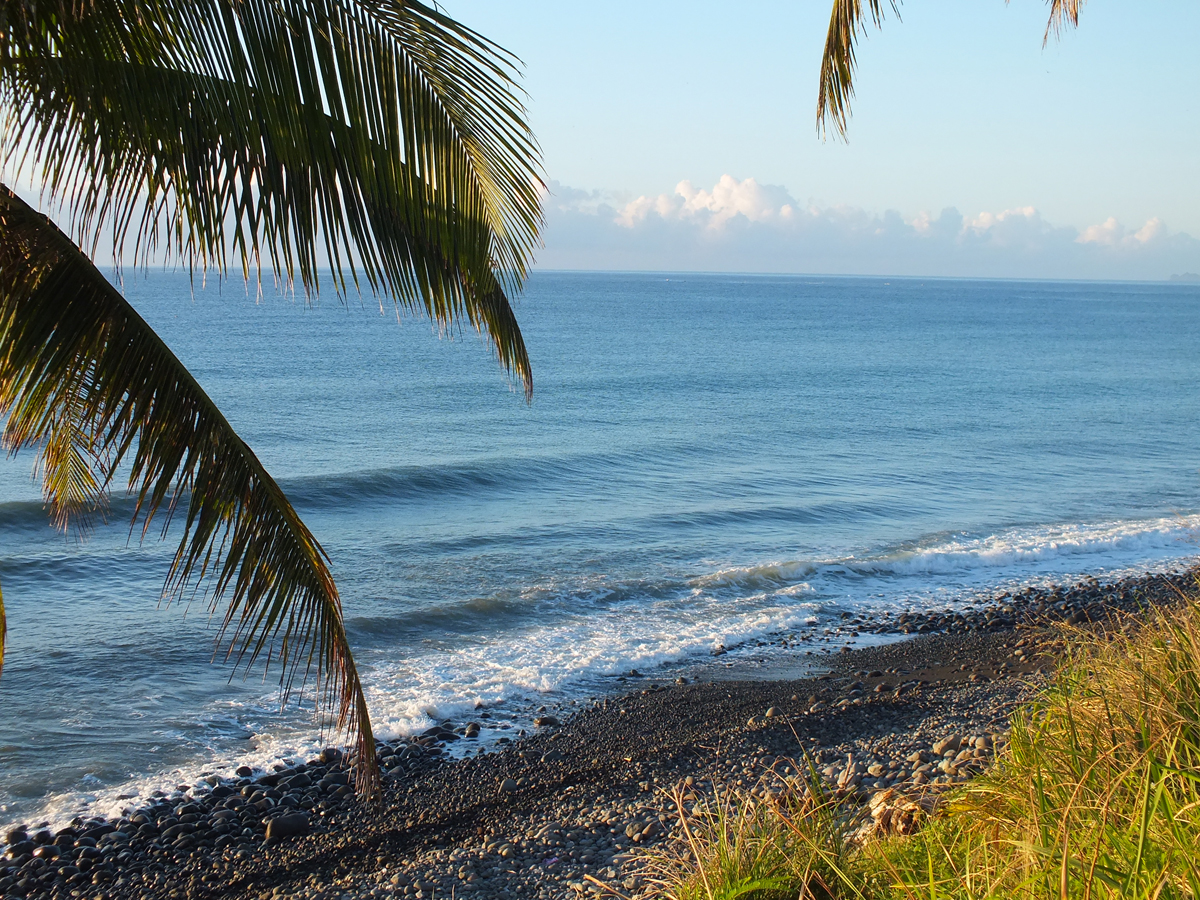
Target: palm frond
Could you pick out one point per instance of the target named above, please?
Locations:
(83, 377)
(846, 22)
(377, 136)
(1062, 14)
(70, 459)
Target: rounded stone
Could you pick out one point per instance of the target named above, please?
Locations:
(286, 826)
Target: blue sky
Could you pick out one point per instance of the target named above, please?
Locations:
(1069, 150)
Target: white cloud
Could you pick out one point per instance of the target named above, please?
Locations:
(635, 211)
(1112, 233)
(727, 199)
(1010, 222)
(741, 225)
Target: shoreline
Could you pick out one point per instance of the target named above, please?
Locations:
(574, 799)
(774, 654)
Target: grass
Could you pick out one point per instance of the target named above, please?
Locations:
(1097, 796)
(746, 847)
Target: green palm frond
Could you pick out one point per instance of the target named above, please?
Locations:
(85, 379)
(848, 21)
(377, 136)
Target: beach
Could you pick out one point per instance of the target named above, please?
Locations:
(708, 461)
(755, 498)
(413, 495)
(575, 803)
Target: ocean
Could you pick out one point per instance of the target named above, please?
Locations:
(708, 460)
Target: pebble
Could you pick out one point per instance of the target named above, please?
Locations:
(914, 738)
(286, 826)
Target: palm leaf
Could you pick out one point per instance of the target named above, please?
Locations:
(848, 21)
(83, 377)
(1062, 14)
(377, 136)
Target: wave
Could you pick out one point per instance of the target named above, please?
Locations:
(644, 624)
(367, 487)
(508, 609)
(1025, 546)
(761, 577)
(939, 563)
(500, 476)
(1088, 546)
(27, 515)
(814, 514)
(560, 640)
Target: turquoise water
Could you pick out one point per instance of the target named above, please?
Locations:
(707, 459)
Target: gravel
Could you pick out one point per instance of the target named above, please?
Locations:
(579, 799)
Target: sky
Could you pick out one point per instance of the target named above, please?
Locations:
(681, 136)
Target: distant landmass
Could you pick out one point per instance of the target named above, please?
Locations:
(1186, 276)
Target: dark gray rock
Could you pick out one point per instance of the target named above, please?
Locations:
(336, 779)
(286, 826)
(21, 848)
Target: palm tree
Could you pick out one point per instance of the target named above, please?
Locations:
(848, 21)
(377, 137)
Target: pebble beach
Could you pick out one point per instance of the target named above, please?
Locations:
(572, 808)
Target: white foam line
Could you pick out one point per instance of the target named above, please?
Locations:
(728, 607)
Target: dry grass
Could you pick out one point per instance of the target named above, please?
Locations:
(1097, 796)
(739, 846)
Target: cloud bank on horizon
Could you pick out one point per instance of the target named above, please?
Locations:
(744, 226)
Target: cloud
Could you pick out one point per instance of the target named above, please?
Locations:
(1112, 233)
(750, 227)
(728, 198)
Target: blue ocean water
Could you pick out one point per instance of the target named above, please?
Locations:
(707, 459)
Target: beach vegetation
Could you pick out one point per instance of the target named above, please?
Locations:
(1097, 795)
(363, 147)
(742, 846)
